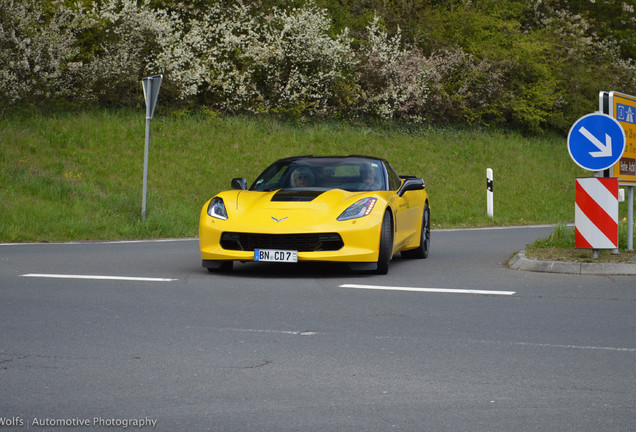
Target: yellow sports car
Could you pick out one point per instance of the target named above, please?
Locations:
(353, 209)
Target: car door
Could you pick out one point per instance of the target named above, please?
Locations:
(407, 210)
(408, 217)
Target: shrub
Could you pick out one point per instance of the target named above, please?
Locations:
(237, 60)
(393, 78)
(532, 65)
(128, 34)
(36, 49)
(299, 65)
(205, 56)
(464, 89)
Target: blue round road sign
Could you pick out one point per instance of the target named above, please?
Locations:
(596, 142)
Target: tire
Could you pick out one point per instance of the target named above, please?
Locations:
(425, 238)
(224, 267)
(385, 252)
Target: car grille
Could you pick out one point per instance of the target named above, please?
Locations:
(298, 242)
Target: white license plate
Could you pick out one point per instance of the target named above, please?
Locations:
(275, 255)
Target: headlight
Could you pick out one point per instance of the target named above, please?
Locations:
(358, 209)
(216, 208)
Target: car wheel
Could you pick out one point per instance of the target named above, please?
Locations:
(425, 238)
(386, 245)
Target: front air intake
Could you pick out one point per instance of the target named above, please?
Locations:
(298, 242)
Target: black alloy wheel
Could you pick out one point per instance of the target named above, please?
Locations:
(386, 245)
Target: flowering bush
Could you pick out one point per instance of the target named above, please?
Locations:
(286, 61)
(128, 35)
(35, 50)
(207, 56)
(463, 89)
(541, 66)
(44, 56)
(300, 64)
(394, 79)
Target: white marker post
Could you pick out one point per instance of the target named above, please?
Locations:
(489, 193)
(151, 87)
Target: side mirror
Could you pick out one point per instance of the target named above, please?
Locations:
(411, 183)
(239, 183)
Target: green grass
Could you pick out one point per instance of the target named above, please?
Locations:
(559, 246)
(78, 176)
(563, 237)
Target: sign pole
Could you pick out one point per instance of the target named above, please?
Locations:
(151, 86)
(603, 109)
(597, 174)
(630, 218)
(145, 185)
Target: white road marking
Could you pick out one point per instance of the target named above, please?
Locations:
(96, 277)
(104, 242)
(496, 228)
(286, 332)
(428, 290)
(529, 344)
(578, 347)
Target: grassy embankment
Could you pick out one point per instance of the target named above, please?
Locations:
(79, 176)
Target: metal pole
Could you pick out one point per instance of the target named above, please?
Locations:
(150, 95)
(146, 147)
(630, 218)
(597, 174)
(145, 188)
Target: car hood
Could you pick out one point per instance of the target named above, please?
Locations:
(287, 209)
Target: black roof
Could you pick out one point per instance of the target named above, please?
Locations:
(295, 158)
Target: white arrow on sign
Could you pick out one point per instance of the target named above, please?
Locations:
(605, 150)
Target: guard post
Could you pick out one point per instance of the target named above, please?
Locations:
(489, 193)
(151, 86)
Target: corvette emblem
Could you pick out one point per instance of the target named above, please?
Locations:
(279, 220)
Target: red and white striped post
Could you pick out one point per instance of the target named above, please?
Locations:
(596, 213)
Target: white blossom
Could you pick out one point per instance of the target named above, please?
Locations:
(394, 78)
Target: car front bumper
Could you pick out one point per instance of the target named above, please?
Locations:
(361, 239)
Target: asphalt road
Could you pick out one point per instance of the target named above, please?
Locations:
(471, 346)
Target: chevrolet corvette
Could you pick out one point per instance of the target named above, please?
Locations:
(353, 209)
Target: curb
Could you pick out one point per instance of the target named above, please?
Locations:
(521, 262)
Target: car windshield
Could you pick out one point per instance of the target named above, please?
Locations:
(351, 174)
